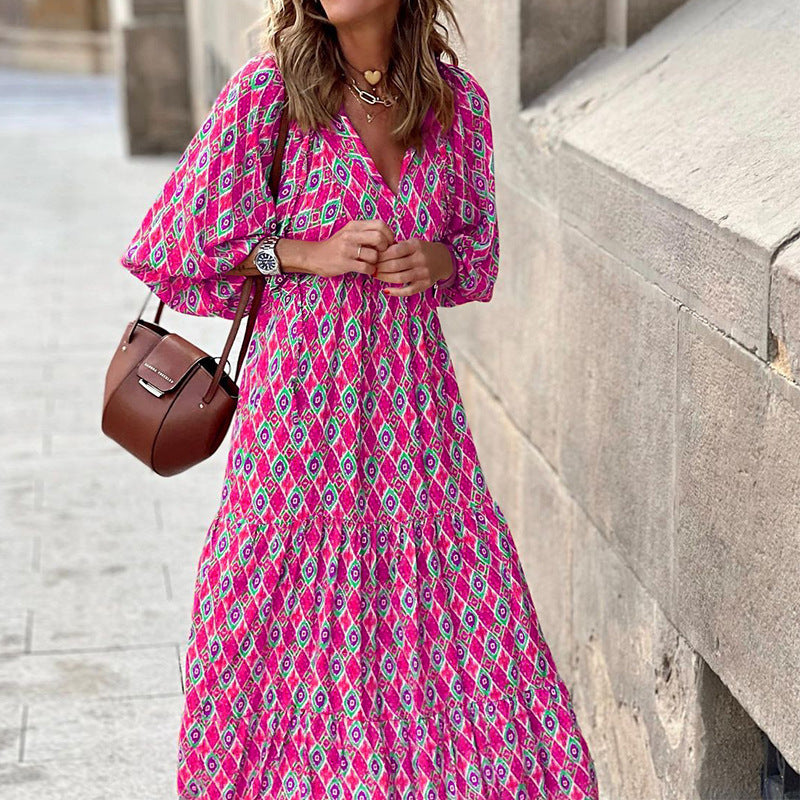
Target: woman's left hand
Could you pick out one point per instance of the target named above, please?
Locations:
(417, 263)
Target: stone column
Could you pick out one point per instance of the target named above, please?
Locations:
(154, 67)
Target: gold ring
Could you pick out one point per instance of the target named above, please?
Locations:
(358, 255)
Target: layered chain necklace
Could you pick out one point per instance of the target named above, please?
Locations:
(373, 77)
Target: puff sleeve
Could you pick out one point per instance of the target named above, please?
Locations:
(472, 233)
(217, 204)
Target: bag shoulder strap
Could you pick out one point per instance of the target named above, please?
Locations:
(274, 183)
(253, 286)
(277, 158)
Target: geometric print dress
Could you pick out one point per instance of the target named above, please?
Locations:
(361, 627)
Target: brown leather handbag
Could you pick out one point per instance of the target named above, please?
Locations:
(166, 401)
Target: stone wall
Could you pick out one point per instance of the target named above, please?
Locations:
(632, 384)
(57, 35)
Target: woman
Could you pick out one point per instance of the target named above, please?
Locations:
(362, 626)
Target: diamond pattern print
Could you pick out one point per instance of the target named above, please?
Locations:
(361, 626)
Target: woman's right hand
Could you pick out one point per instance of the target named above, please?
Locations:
(338, 254)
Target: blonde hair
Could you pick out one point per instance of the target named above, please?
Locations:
(308, 56)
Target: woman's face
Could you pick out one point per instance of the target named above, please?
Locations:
(352, 13)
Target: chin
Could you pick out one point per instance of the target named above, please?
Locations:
(347, 12)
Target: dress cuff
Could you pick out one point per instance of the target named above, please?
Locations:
(451, 279)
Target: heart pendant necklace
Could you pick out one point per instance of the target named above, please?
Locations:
(371, 76)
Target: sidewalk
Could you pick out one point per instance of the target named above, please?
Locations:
(99, 555)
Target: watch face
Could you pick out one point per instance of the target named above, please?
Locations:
(266, 262)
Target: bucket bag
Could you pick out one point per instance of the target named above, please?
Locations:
(166, 401)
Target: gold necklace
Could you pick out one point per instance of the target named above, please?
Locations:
(367, 98)
(369, 115)
(371, 76)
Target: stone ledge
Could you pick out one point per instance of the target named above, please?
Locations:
(784, 303)
(679, 165)
(719, 275)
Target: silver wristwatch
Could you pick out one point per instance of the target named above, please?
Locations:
(266, 259)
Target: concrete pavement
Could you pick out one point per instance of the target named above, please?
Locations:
(98, 555)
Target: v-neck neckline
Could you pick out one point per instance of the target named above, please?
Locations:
(405, 166)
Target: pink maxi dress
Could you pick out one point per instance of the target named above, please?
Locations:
(361, 626)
